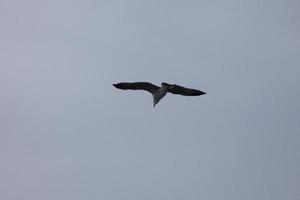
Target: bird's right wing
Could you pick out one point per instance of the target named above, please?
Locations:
(137, 86)
(177, 89)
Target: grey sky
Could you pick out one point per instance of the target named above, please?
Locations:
(66, 133)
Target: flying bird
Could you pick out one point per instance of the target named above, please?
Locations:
(158, 92)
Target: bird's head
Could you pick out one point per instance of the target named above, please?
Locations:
(167, 85)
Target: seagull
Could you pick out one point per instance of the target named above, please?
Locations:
(158, 92)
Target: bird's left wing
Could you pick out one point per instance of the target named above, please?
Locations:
(137, 86)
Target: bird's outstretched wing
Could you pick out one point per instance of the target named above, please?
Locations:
(137, 86)
(177, 89)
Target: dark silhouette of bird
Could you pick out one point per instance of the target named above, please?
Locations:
(159, 92)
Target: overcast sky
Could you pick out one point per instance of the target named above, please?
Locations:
(66, 133)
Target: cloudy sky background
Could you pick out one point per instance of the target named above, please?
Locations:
(66, 133)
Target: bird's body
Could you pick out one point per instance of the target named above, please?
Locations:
(159, 92)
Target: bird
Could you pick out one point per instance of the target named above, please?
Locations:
(158, 92)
